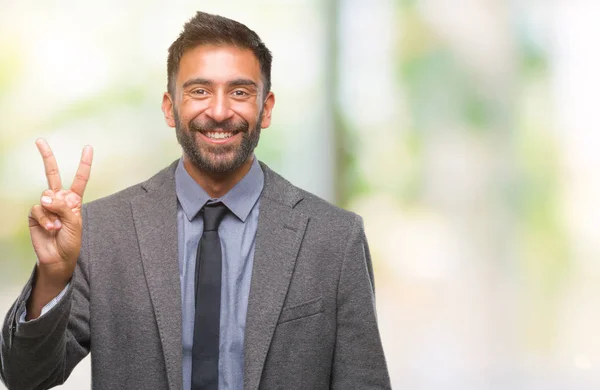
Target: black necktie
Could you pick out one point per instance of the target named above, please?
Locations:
(205, 350)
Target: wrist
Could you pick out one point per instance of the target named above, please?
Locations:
(45, 288)
(51, 278)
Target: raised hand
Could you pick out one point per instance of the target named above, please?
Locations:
(55, 228)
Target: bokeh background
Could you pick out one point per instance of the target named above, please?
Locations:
(464, 132)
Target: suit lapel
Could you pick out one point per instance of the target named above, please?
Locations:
(278, 238)
(155, 219)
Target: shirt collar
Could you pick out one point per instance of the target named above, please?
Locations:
(240, 199)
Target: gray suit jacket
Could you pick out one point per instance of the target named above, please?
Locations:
(311, 320)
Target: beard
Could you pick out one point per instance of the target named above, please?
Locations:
(217, 158)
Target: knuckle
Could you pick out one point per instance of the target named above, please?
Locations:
(81, 177)
(40, 219)
(51, 171)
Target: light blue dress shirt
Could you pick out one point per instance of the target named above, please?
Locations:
(237, 232)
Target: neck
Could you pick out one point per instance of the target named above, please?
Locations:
(217, 184)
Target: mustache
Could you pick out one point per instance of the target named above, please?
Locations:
(228, 125)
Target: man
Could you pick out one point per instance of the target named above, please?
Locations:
(216, 273)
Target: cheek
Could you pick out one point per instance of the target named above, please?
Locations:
(248, 112)
(190, 109)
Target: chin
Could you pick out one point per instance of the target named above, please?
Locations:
(220, 164)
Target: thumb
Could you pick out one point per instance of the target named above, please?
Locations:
(60, 208)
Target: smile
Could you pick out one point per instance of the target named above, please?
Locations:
(218, 137)
(218, 134)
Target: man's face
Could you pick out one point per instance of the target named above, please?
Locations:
(218, 108)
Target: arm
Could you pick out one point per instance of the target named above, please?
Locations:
(358, 361)
(41, 353)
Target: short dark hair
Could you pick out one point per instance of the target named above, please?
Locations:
(206, 28)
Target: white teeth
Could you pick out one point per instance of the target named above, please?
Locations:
(218, 135)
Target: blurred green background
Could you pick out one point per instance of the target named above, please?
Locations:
(463, 132)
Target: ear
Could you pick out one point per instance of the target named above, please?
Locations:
(167, 108)
(267, 110)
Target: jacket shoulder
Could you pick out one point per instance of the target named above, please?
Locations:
(281, 190)
(123, 197)
(319, 208)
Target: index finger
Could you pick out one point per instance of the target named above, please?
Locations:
(50, 165)
(82, 176)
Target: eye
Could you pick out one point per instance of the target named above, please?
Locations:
(199, 92)
(240, 93)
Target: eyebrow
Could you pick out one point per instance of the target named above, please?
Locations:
(241, 82)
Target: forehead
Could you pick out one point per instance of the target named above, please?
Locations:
(219, 63)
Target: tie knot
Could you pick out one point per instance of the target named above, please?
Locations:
(213, 215)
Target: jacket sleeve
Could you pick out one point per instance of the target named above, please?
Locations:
(358, 361)
(41, 353)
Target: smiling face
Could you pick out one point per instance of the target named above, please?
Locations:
(218, 107)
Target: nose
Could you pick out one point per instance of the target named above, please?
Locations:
(219, 108)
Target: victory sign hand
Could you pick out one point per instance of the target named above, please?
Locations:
(55, 224)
